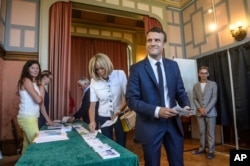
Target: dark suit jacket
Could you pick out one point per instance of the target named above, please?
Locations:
(143, 97)
(83, 111)
(41, 119)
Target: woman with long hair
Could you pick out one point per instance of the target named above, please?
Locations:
(31, 98)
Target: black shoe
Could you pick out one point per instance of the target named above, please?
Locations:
(210, 155)
(198, 152)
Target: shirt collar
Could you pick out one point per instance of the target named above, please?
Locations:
(85, 90)
(153, 61)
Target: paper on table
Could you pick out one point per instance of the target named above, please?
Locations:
(93, 141)
(89, 136)
(56, 121)
(101, 147)
(50, 135)
(183, 111)
(55, 126)
(66, 118)
(109, 122)
(107, 154)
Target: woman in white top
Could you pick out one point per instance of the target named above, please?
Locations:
(31, 98)
(107, 86)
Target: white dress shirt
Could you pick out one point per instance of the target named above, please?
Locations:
(202, 86)
(154, 67)
(110, 94)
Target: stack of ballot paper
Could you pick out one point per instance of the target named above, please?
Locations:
(55, 126)
(107, 154)
(183, 112)
(60, 126)
(81, 130)
(103, 150)
(50, 135)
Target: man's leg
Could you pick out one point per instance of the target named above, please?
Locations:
(211, 123)
(202, 129)
(173, 142)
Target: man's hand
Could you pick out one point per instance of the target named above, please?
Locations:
(202, 111)
(167, 112)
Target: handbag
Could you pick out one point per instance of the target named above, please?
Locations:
(128, 120)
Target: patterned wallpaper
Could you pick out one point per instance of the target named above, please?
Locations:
(196, 37)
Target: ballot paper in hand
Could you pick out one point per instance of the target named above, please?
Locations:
(182, 111)
(109, 122)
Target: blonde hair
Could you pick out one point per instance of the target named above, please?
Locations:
(101, 60)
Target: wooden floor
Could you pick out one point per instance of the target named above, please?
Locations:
(221, 154)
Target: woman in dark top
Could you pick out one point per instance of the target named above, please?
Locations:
(46, 77)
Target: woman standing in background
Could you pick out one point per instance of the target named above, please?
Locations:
(31, 98)
(46, 77)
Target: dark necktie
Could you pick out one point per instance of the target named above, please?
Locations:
(160, 83)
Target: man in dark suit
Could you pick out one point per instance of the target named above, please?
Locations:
(83, 111)
(153, 97)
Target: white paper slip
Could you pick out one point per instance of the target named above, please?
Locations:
(81, 130)
(65, 118)
(67, 128)
(77, 125)
(107, 154)
(101, 147)
(89, 136)
(183, 111)
(50, 135)
(109, 122)
(52, 139)
(93, 142)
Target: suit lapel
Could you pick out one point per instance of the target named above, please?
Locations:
(150, 71)
(207, 87)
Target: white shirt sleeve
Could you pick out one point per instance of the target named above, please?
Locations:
(123, 81)
(93, 97)
(157, 110)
